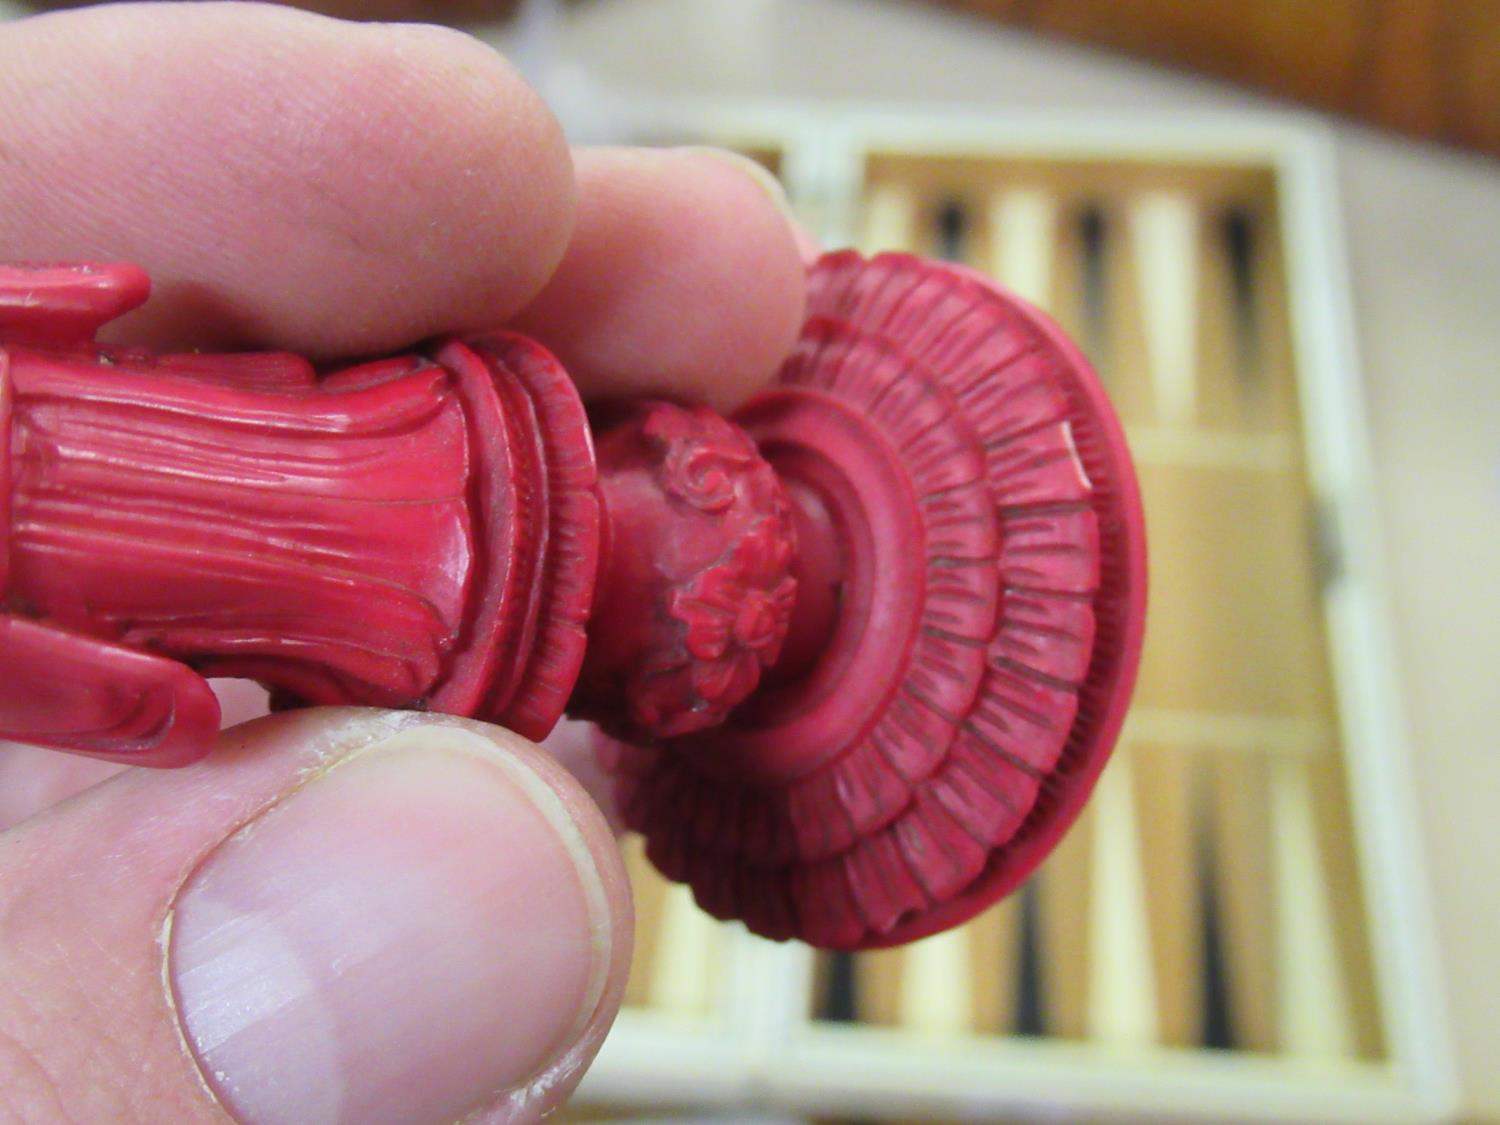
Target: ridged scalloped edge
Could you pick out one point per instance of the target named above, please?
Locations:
(910, 824)
(570, 560)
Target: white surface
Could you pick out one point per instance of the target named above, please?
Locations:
(1025, 222)
(1164, 228)
(1122, 981)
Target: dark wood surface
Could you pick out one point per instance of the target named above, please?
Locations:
(1425, 67)
(455, 12)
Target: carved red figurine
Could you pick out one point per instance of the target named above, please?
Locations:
(862, 649)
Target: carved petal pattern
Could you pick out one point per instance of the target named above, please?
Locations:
(977, 757)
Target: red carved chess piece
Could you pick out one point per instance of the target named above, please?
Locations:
(862, 649)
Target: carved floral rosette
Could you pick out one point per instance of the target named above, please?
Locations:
(716, 571)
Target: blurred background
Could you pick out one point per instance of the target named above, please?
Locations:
(1275, 227)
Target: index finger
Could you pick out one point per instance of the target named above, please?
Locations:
(289, 181)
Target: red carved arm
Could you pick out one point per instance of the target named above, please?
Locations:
(865, 647)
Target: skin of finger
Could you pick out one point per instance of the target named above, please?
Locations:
(574, 743)
(288, 180)
(683, 279)
(87, 1031)
(33, 778)
(808, 246)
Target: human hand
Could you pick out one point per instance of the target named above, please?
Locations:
(341, 915)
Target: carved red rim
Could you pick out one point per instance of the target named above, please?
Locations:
(5, 470)
(509, 502)
(534, 454)
(1120, 620)
(570, 557)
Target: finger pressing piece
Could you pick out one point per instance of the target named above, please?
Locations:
(288, 180)
(575, 745)
(364, 918)
(683, 278)
(33, 778)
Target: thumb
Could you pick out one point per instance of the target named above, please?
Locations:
(342, 916)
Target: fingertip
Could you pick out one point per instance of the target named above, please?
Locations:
(493, 209)
(808, 244)
(683, 278)
(288, 180)
(574, 743)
